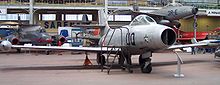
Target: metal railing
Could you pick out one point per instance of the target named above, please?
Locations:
(63, 3)
(110, 52)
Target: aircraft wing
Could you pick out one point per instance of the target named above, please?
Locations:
(96, 49)
(188, 45)
(90, 26)
(129, 11)
(87, 49)
(91, 37)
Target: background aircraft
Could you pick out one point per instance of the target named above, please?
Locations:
(185, 37)
(168, 15)
(6, 30)
(33, 34)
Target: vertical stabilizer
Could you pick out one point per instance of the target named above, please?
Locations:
(106, 16)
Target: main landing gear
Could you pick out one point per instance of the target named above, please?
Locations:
(100, 59)
(145, 64)
(121, 59)
(144, 61)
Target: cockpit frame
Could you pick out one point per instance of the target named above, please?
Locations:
(143, 20)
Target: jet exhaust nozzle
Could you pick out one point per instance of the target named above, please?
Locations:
(195, 10)
(58, 40)
(62, 40)
(14, 41)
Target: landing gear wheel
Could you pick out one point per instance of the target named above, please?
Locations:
(121, 61)
(130, 71)
(145, 64)
(101, 59)
(47, 52)
(141, 61)
(18, 50)
(146, 69)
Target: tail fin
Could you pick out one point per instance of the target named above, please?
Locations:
(105, 18)
(193, 40)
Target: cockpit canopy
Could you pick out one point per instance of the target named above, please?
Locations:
(143, 20)
(173, 5)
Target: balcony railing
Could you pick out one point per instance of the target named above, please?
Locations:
(147, 3)
(78, 2)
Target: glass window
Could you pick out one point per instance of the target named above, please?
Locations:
(122, 17)
(71, 17)
(77, 17)
(142, 20)
(24, 16)
(3, 17)
(89, 17)
(48, 16)
(149, 19)
(12, 17)
(111, 18)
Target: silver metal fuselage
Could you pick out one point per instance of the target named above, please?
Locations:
(176, 12)
(139, 39)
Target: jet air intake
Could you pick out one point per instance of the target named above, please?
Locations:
(168, 37)
(5, 46)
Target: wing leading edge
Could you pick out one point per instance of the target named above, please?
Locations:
(188, 45)
(98, 49)
(87, 49)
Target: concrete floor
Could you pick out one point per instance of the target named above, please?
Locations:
(67, 69)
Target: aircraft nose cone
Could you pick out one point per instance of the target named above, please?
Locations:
(194, 10)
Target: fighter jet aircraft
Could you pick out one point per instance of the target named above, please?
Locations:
(173, 12)
(33, 34)
(6, 30)
(168, 15)
(142, 36)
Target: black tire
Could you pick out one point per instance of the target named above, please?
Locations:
(121, 60)
(18, 50)
(101, 59)
(47, 52)
(148, 69)
(141, 61)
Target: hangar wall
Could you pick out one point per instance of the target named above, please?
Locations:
(205, 23)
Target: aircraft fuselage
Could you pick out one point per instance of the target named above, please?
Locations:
(139, 39)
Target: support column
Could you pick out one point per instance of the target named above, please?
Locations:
(36, 18)
(106, 7)
(59, 17)
(95, 16)
(64, 17)
(195, 25)
(31, 12)
(102, 17)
